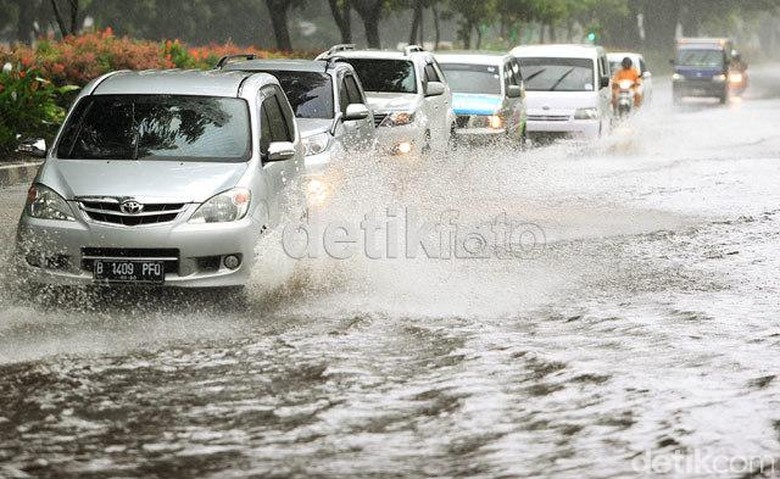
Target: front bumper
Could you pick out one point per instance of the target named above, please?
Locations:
(52, 252)
(700, 88)
(390, 138)
(587, 129)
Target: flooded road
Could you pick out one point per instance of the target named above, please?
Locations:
(640, 338)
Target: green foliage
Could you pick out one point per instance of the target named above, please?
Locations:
(28, 106)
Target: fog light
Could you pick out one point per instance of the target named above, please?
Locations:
(232, 261)
(404, 148)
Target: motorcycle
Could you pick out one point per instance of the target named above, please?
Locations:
(625, 97)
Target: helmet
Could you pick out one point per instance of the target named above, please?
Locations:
(627, 63)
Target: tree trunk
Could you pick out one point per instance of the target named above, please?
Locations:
(24, 25)
(66, 29)
(341, 14)
(479, 37)
(661, 17)
(416, 21)
(370, 11)
(437, 27)
(277, 10)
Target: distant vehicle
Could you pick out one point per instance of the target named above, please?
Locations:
(646, 89)
(328, 100)
(408, 94)
(738, 76)
(488, 95)
(161, 178)
(567, 90)
(701, 68)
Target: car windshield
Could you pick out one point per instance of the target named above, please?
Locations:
(464, 78)
(157, 127)
(310, 93)
(557, 74)
(700, 58)
(392, 76)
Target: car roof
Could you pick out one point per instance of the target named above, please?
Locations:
(491, 58)
(557, 50)
(318, 66)
(176, 82)
(379, 54)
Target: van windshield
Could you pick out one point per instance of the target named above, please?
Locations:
(690, 57)
(467, 78)
(157, 127)
(557, 74)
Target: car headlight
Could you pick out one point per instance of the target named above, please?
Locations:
(678, 77)
(316, 144)
(586, 114)
(719, 78)
(231, 205)
(495, 122)
(398, 118)
(317, 191)
(45, 203)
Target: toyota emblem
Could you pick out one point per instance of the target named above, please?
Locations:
(131, 207)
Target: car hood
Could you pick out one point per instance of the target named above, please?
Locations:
(312, 126)
(475, 103)
(147, 181)
(560, 101)
(705, 73)
(383, 102)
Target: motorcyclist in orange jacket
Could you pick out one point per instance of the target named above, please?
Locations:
(628, 72)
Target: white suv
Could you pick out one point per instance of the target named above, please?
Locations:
(408, 94)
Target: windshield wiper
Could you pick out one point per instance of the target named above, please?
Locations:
(533, 75)
(563, 77)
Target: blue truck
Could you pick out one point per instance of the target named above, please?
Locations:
(701, 68)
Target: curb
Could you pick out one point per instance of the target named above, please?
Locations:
(18, 173)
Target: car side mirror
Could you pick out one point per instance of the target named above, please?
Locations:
(280, 151)
(356, 112)
(514, 91)
(604, 82)
(34, 147)
(434, 88)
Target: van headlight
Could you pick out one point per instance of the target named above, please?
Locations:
(46, 204)
(398, 118)
(719, 78)
(231, 205)
(316, 144)
(678, 77)
(586, 114)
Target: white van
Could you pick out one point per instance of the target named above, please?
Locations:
(568, 90)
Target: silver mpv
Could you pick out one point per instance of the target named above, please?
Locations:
(165, 177)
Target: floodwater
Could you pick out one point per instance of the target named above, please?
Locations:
(639, 335)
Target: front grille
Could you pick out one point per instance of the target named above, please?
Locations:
(107, 210)
(548, 117)
(169, 256)
(379, 118)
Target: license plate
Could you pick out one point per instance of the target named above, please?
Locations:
(128, 271)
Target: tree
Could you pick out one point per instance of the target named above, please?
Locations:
(278, 11)
(471, 14)
(342, 11)
(69, 24)
(370, 12)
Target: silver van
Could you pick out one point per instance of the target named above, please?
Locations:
(162, 178)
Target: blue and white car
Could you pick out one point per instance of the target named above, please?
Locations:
(488, 96)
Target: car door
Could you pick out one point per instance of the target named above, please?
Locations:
(276, 126)
(366, 135)
(436, 106)
(511, 107)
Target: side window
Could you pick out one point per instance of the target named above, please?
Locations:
(430, 73)
(509, 76)
(517, 72)
(265, 128)
(343, 95)
(273, 116)
(642, 65)
(439, 72)
(352, 90)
